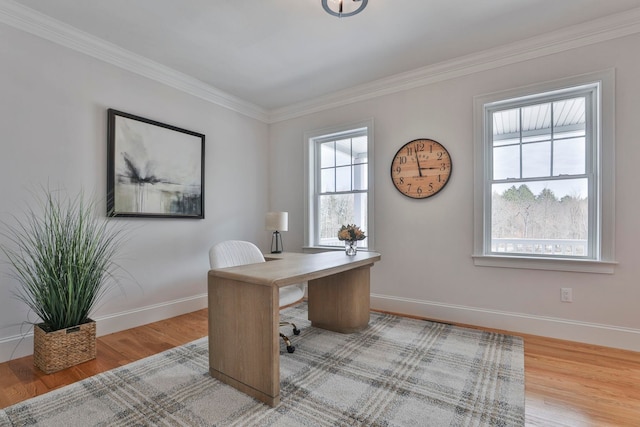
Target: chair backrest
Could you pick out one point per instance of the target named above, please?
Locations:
(237, 252)
(234, 252)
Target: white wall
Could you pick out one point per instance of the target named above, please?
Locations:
(426, 245)
(53, 116)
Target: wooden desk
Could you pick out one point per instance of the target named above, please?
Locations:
(244, 349)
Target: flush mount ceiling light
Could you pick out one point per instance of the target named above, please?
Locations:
(342, 8)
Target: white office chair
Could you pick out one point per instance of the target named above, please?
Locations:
(236, 252)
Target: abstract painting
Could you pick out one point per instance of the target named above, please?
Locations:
(154, 169)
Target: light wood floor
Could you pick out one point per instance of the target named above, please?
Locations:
(567, 384)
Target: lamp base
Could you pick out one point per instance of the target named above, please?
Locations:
(276, 243)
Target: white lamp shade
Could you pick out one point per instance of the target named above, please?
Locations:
(277, 221)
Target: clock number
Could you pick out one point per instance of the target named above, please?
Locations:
(443, 167)
(402, 160)
(439, 155)
(401, 180)
(419, 146)
(430, 187)
(419, 190)
(398, 169)
(409, 151)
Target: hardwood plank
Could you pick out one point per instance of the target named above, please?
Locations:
(580, 385)
(175, 330)
(566, 383)
(14, 388)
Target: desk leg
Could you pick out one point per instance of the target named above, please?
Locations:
(243, 337)
(340, 302)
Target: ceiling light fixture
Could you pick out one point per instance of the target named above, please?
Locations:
(343, 8)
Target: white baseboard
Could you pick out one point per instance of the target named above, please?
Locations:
(152, 313)
(22, 345)
(565, 329)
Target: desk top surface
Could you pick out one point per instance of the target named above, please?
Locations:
(293, 268)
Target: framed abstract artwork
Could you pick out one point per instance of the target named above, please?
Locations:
(154, 170)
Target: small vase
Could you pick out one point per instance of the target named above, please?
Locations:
(351, 247)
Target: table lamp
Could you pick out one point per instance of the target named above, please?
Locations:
(277, 222)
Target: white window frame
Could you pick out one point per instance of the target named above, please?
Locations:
(602, 258)
(311, 167)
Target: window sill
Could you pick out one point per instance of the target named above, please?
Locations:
(574, 265)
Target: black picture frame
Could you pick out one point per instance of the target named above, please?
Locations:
(154, 170)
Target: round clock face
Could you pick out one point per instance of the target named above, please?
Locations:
(421, 168)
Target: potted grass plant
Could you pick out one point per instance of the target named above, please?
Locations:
(62, 256)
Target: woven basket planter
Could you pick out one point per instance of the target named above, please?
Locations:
(57, 350)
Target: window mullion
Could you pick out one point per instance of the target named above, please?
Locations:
(552, 125)
(520, 137)
(351, 163)
(335, 166)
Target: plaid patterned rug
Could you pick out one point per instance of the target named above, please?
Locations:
(398, 372)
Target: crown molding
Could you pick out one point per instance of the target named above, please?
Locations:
(596, 31)
(38, 24)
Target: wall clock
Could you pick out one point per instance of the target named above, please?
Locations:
(421, 168)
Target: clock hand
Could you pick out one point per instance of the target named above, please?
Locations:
(418, 161)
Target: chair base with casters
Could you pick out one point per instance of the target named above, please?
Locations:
(287, 341)
(231, 253)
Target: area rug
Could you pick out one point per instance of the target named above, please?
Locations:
(397, 372)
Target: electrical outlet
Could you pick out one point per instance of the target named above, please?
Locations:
(566, 294)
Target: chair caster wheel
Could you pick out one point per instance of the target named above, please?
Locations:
(291, 348)
(296, 331)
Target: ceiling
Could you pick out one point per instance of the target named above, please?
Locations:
(277, 53)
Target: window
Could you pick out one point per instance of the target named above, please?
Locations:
(339, 184)
(545, 195)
